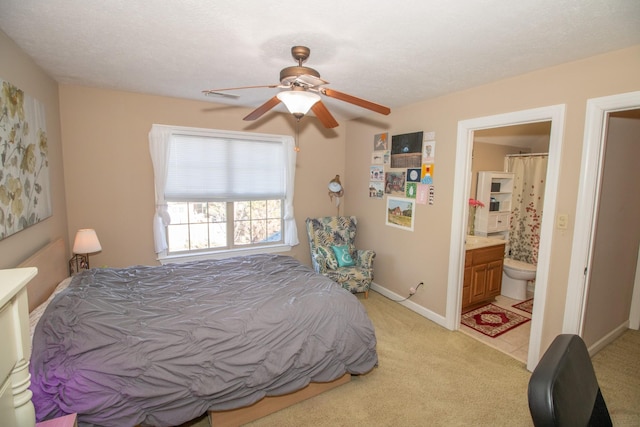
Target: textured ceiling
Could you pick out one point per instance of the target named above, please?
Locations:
(390, 52)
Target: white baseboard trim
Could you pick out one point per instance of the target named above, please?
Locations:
(608, 339)
(434, 317)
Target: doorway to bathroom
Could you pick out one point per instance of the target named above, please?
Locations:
(462, 188)
(514, 158)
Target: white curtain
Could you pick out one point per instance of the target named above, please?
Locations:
(530, 173)
(290, 228)
(159, 138)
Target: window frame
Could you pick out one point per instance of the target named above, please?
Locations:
(160, 140)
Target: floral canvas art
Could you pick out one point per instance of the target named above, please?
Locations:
(24, 167)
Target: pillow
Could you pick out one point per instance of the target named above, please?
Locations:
(343, 256)
(330, 258)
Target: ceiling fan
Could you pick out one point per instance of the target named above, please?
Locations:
(303, 86)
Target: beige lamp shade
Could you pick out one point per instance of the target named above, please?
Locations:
(86, 242)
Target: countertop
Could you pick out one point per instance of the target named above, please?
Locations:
(477, 242)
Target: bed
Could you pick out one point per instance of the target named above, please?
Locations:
(236, 338)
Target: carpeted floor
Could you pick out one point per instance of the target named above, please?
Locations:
(428, 375)
(617, 368)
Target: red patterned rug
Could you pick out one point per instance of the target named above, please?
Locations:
(492, 320)
(525, 306)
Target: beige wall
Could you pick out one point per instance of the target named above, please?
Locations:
(406, 258)
(18, 69)
(615, 249)
(109, 176)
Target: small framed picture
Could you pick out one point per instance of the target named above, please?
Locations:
(411, 190)
(376, 189)
(401, 213)
(414, 175)
(377, 158)
(394, 182)
(376, 173)
(429, 152)
(381, 142)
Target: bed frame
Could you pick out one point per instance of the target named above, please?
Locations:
(271, 404)
(51, 262)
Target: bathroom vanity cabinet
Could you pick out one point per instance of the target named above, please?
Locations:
(482, 275)
(495, 191)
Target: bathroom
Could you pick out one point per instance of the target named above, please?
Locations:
(494, 150)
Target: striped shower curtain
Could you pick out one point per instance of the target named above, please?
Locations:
(527, 203)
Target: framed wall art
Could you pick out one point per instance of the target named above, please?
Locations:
(406, 150)
(24, 167)
(401, 213)
(394, 182)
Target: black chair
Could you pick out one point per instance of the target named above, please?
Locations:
(563, 389)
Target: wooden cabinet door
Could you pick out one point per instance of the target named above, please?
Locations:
(466, 288)
(478, 283)
(494, 278)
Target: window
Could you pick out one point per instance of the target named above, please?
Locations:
(198, 226)
(220, 192)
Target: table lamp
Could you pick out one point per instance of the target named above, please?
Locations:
(86, 242)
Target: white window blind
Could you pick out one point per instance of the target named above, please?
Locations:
(195, 164)
(225, 169)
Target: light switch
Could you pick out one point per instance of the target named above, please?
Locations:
(562, 221)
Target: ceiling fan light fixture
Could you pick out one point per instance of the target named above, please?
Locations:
(298, 102)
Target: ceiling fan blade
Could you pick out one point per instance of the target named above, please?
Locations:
(215, 91)
(222, 94)
(356, 101)
(258, 112)
(325, 117)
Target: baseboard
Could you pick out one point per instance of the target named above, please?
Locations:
(434, 317)
(608, 339)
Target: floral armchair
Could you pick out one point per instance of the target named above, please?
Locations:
(333, 254)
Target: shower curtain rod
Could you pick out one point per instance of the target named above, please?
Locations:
(527, 155)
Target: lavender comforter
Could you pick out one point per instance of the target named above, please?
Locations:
(162, 345)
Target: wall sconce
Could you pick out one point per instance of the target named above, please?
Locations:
(86, 243)
(336, 190)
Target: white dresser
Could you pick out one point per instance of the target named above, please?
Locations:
(16, 409)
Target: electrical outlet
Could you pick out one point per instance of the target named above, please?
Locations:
(562, 221)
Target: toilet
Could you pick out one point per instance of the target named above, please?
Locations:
(515, 275)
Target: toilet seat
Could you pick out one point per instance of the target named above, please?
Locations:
(519, 265)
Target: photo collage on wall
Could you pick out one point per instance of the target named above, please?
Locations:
(402, 168)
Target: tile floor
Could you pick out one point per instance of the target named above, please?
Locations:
(514, 342)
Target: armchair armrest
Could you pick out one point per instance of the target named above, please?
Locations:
(365, 258)
(319, 262)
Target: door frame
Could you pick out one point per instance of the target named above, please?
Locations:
(462, 187)
(587, 205)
